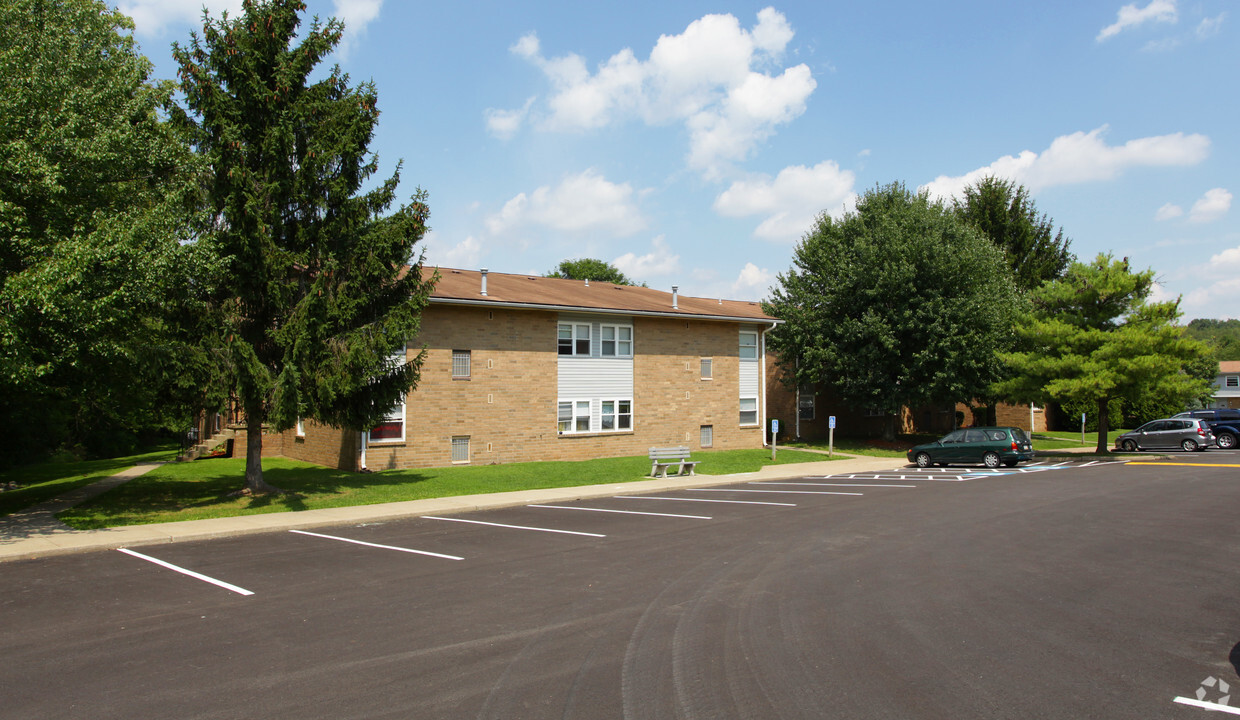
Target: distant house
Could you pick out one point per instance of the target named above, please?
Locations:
(521, 368)
(1227, 385)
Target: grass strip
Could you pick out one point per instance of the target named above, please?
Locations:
(200, 490)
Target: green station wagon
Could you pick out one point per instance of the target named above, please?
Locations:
(991, 446)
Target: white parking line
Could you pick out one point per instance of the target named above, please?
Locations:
(514, 527)
(622, 512)
(734, 502)
(1208, 705)
(191, 573)
(816, 484)
(785, 492)
(376, 545)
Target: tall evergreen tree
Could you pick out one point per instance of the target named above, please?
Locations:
(313, 297)
(1003, 211)
(1093, 337)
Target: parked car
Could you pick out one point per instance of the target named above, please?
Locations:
(991, 446)
(1188, 434)
(1223, 422)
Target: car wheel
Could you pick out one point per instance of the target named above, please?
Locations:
(991, 460)
(1130, 446)
(923, 459)
(1189, 445)
(1227, 441)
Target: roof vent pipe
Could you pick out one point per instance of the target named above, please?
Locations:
(675, 298)
(484, 281)
(587, 282)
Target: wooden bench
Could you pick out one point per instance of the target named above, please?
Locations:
(663, 458)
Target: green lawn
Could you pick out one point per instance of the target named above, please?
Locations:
(198, 490)
(44, 481)
(1059, 439)
(869, 447)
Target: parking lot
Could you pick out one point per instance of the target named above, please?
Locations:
(1056, 590)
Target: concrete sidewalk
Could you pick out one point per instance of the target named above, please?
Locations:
(36, 533)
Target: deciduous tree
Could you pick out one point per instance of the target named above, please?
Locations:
(1093, 336)
(897, 304)
(590, 269)
(314, 296)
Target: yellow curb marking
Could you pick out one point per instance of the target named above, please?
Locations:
(1141, 462)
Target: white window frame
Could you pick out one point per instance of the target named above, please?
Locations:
(397, 415)
(743, 411)
(1231, 381)
(621, 348)
(751, 346)
(616, 415)
(708, 368)
(574, 418)
(457, 444)
(575, 339)
(466, 360)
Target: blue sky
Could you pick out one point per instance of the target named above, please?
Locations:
(693, 143)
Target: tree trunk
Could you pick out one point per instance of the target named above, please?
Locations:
(1103, 429)
(254, 482)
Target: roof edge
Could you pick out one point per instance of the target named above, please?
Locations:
(604, 311)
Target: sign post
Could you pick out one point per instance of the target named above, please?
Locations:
(774, 433)
(831, 436)
(1082, 428)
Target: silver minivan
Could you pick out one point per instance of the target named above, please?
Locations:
(1187, 434)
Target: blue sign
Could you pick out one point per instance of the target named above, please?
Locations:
(831, 422)
(774, 425)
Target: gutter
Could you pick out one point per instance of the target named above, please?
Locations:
(604, 311)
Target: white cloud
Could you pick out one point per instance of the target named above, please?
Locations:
(152, 17)
(466, 254)
(1168, 211)
(1210, 26)
(1162, 11)
(356, 15)
(705, 78)
(791, 201)
(659, 261)
(581, 204)
(752, 283)
(1216, 287)
(1212, 206)
(1081, 157)
(503, 124)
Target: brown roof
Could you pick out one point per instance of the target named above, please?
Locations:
(465, 287)
(1229, 366)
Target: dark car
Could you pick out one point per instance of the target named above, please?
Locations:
(991, 446)
(1223, 422)
(1188, 434)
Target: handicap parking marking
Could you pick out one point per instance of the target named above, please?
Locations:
(513, 527)
(1209, 706)
(190, 573)
(377, 545)
(706, 500)
(621, 512)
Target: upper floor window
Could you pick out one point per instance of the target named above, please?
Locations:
(616, 341)
(1232, 381)
(749, 345)
(574, 339)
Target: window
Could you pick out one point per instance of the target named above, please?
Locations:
(617, 415)
(1232, 381)
(805, 402)
(707, 436)
(708, 369)
(392, 429)
(749, 346)
(460, 364)
(460, 449)
(574, 416)
(574, 339)
(617, 341)
(749, 411)
(954, 436)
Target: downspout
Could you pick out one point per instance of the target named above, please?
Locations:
(762, 383)
(361, 450)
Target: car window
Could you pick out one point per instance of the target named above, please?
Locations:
(1183, 414)
(1181, 424)
(975, 436)
(1227, 415)
(998, 435)
(953, 437)
(1153, 426)
(1020, 435)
